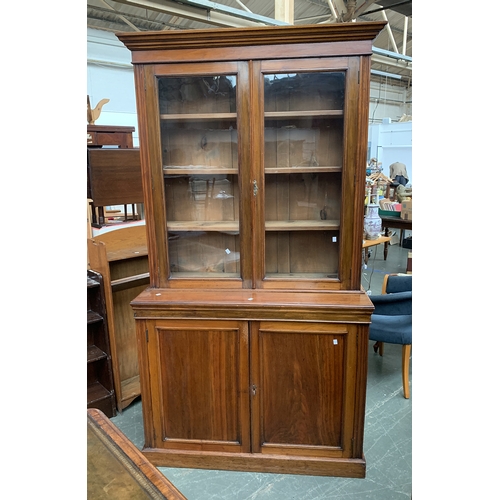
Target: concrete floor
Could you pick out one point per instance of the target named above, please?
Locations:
(387, 444)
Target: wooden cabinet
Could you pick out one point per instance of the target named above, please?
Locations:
(113, 178)
(100, 387)
(109, 135)
(253, 333)
(121, 257)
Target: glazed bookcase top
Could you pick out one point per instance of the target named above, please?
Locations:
(253, 151)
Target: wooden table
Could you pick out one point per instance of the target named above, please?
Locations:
(395, 223)
(116, 469)
(370, 243)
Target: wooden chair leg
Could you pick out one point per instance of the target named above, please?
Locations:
(406, 370)
(379, 346)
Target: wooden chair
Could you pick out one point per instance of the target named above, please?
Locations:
(392, 320)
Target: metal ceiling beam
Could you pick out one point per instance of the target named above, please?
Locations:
(216, 7)
(389, 7)
(283, 11)
(389, 31)
(202, 14)
(363, 7)
(333, 10)
(123, 18)
(393, 55)
(405, 34)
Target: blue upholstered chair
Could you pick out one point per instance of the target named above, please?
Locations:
(392, 320)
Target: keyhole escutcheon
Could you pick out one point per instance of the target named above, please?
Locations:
(255, 187)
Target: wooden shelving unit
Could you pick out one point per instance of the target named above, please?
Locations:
(100, 388)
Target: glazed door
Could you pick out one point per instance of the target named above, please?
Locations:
(203, 129)
(299, 379)
(303, 169)
(198, 372)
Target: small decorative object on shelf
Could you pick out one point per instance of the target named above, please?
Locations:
(93, 114)
(373, 222)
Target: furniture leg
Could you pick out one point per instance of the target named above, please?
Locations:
(379, 346)
(101, 218)
(406, 370)
(386, 244)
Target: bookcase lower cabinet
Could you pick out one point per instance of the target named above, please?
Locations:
(278, 386)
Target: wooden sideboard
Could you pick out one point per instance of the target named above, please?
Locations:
(121, 257)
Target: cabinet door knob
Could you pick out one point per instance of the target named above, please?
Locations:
(255, 187)
(254, 389)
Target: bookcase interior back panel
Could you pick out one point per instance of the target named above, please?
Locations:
(304, 91)
(303, 143)
(202, 144)
(197, 94)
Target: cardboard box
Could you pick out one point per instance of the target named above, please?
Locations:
(406, 207)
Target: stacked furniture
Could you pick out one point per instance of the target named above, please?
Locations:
(121, 257)
(253, 333)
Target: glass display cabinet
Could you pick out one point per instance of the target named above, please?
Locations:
(253, 334)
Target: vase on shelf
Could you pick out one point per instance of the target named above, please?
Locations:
(373, 222)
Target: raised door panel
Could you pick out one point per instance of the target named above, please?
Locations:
(199, 370)
(299, 378)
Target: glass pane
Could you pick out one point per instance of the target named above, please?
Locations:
(304, 125)
(200, 165)
(202, 222)
(304, 91)
(197, 94)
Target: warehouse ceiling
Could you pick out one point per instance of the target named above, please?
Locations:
(392, 47)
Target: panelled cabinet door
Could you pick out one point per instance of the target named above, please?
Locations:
(299, 379)
(199, 369)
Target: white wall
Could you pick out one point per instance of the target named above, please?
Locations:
(110, 75)
(389, 99)
(390, 142)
